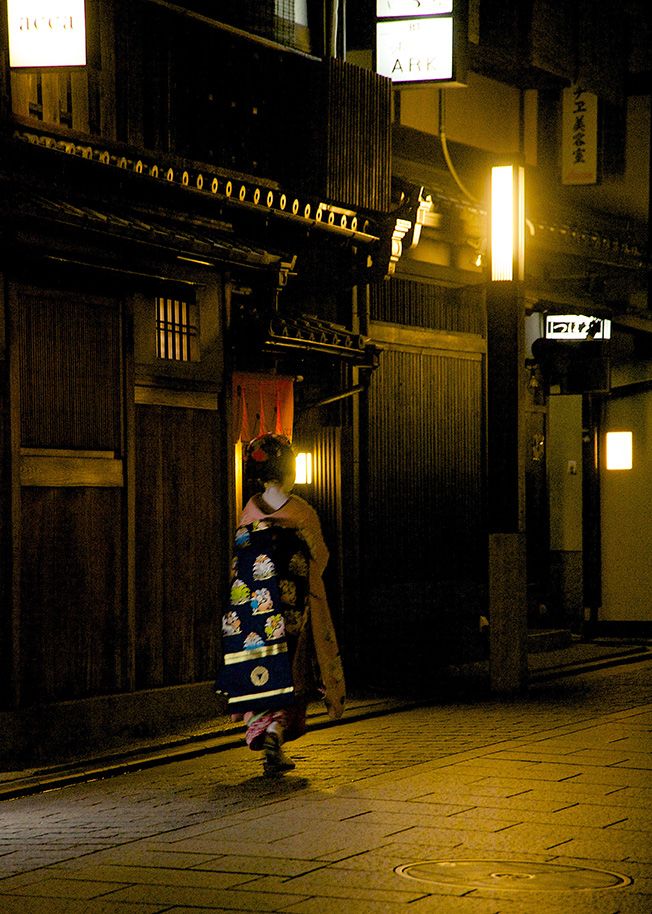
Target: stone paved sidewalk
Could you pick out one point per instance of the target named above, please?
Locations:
(575, 658)
(558, 781)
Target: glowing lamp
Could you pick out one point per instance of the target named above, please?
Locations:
(619, 450)
(303, 472)
(507, 223)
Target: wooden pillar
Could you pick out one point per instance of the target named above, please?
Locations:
(506, 488)
(591, 530)
(5, 73)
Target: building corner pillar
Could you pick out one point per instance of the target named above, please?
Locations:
(507, 577)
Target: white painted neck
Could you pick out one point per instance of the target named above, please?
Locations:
(275, 496)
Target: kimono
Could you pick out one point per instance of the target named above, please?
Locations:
(279, 643)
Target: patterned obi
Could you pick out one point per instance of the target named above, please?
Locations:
(269, 596)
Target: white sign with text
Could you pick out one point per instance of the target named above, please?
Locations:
(415, 50)
(46, 33)
(390, 9)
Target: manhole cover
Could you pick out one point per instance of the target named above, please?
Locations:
(512, 875)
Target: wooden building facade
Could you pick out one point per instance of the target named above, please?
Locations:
(207, 207)
(202, 201)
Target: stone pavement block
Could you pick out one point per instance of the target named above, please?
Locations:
(514, 841)
(260, 866)
(635, 904)
(33, 858)
(639, 872)
(335, 906)
(337, 884)
(562, 792)
(151, 875)
(215, 899)
(68, 906)
(610, 901)
(580, 814)
(630, 817)
(320, 806)
(406, 817)
(261, 830)
(213, 846)
(435, 903)
(533, 837)
(472, 794)
(637, 797)
(614, 777)
(536, 801)
(536, 753)
(407, 788)
(504, 769)
(7, 884)
(639, 760)
(597, 756)
(617, 846)
(386, 859)
(342, 838)
(149, 854)
(57, 887)
(446, 805)
(601, 758)
(634, 742)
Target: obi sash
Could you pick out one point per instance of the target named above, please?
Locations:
(267, 609)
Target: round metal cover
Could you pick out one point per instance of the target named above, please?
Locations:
(512, 875)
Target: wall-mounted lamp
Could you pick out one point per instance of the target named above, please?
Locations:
(507, 223)
(303, 472)
(619, 451)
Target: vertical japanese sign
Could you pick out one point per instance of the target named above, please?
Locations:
(46, 33)
(579, 160)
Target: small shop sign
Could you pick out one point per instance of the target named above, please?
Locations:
(46, 33)
(417, 41)
(579, 160)
(577, 327)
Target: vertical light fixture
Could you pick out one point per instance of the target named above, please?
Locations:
(507, 223)
(303, 472)
(619, 451)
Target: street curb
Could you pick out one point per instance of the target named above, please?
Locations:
(190, 747)
(561, 670)
(124, 761)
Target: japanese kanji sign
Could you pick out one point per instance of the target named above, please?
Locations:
(577, 327)
(579, 160)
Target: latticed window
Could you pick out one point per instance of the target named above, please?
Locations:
(273, 19)
(177, 332)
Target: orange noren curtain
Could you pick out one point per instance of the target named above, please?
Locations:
(262, 403)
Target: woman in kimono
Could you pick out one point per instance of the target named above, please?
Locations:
(278, 638)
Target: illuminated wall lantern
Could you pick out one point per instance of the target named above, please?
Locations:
(507, 223)
(619, 451)
(303, 474)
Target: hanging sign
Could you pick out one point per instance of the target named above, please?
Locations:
(577, 327)
(46, 33)
(419, 41)
(389, 9)
(579, 160)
